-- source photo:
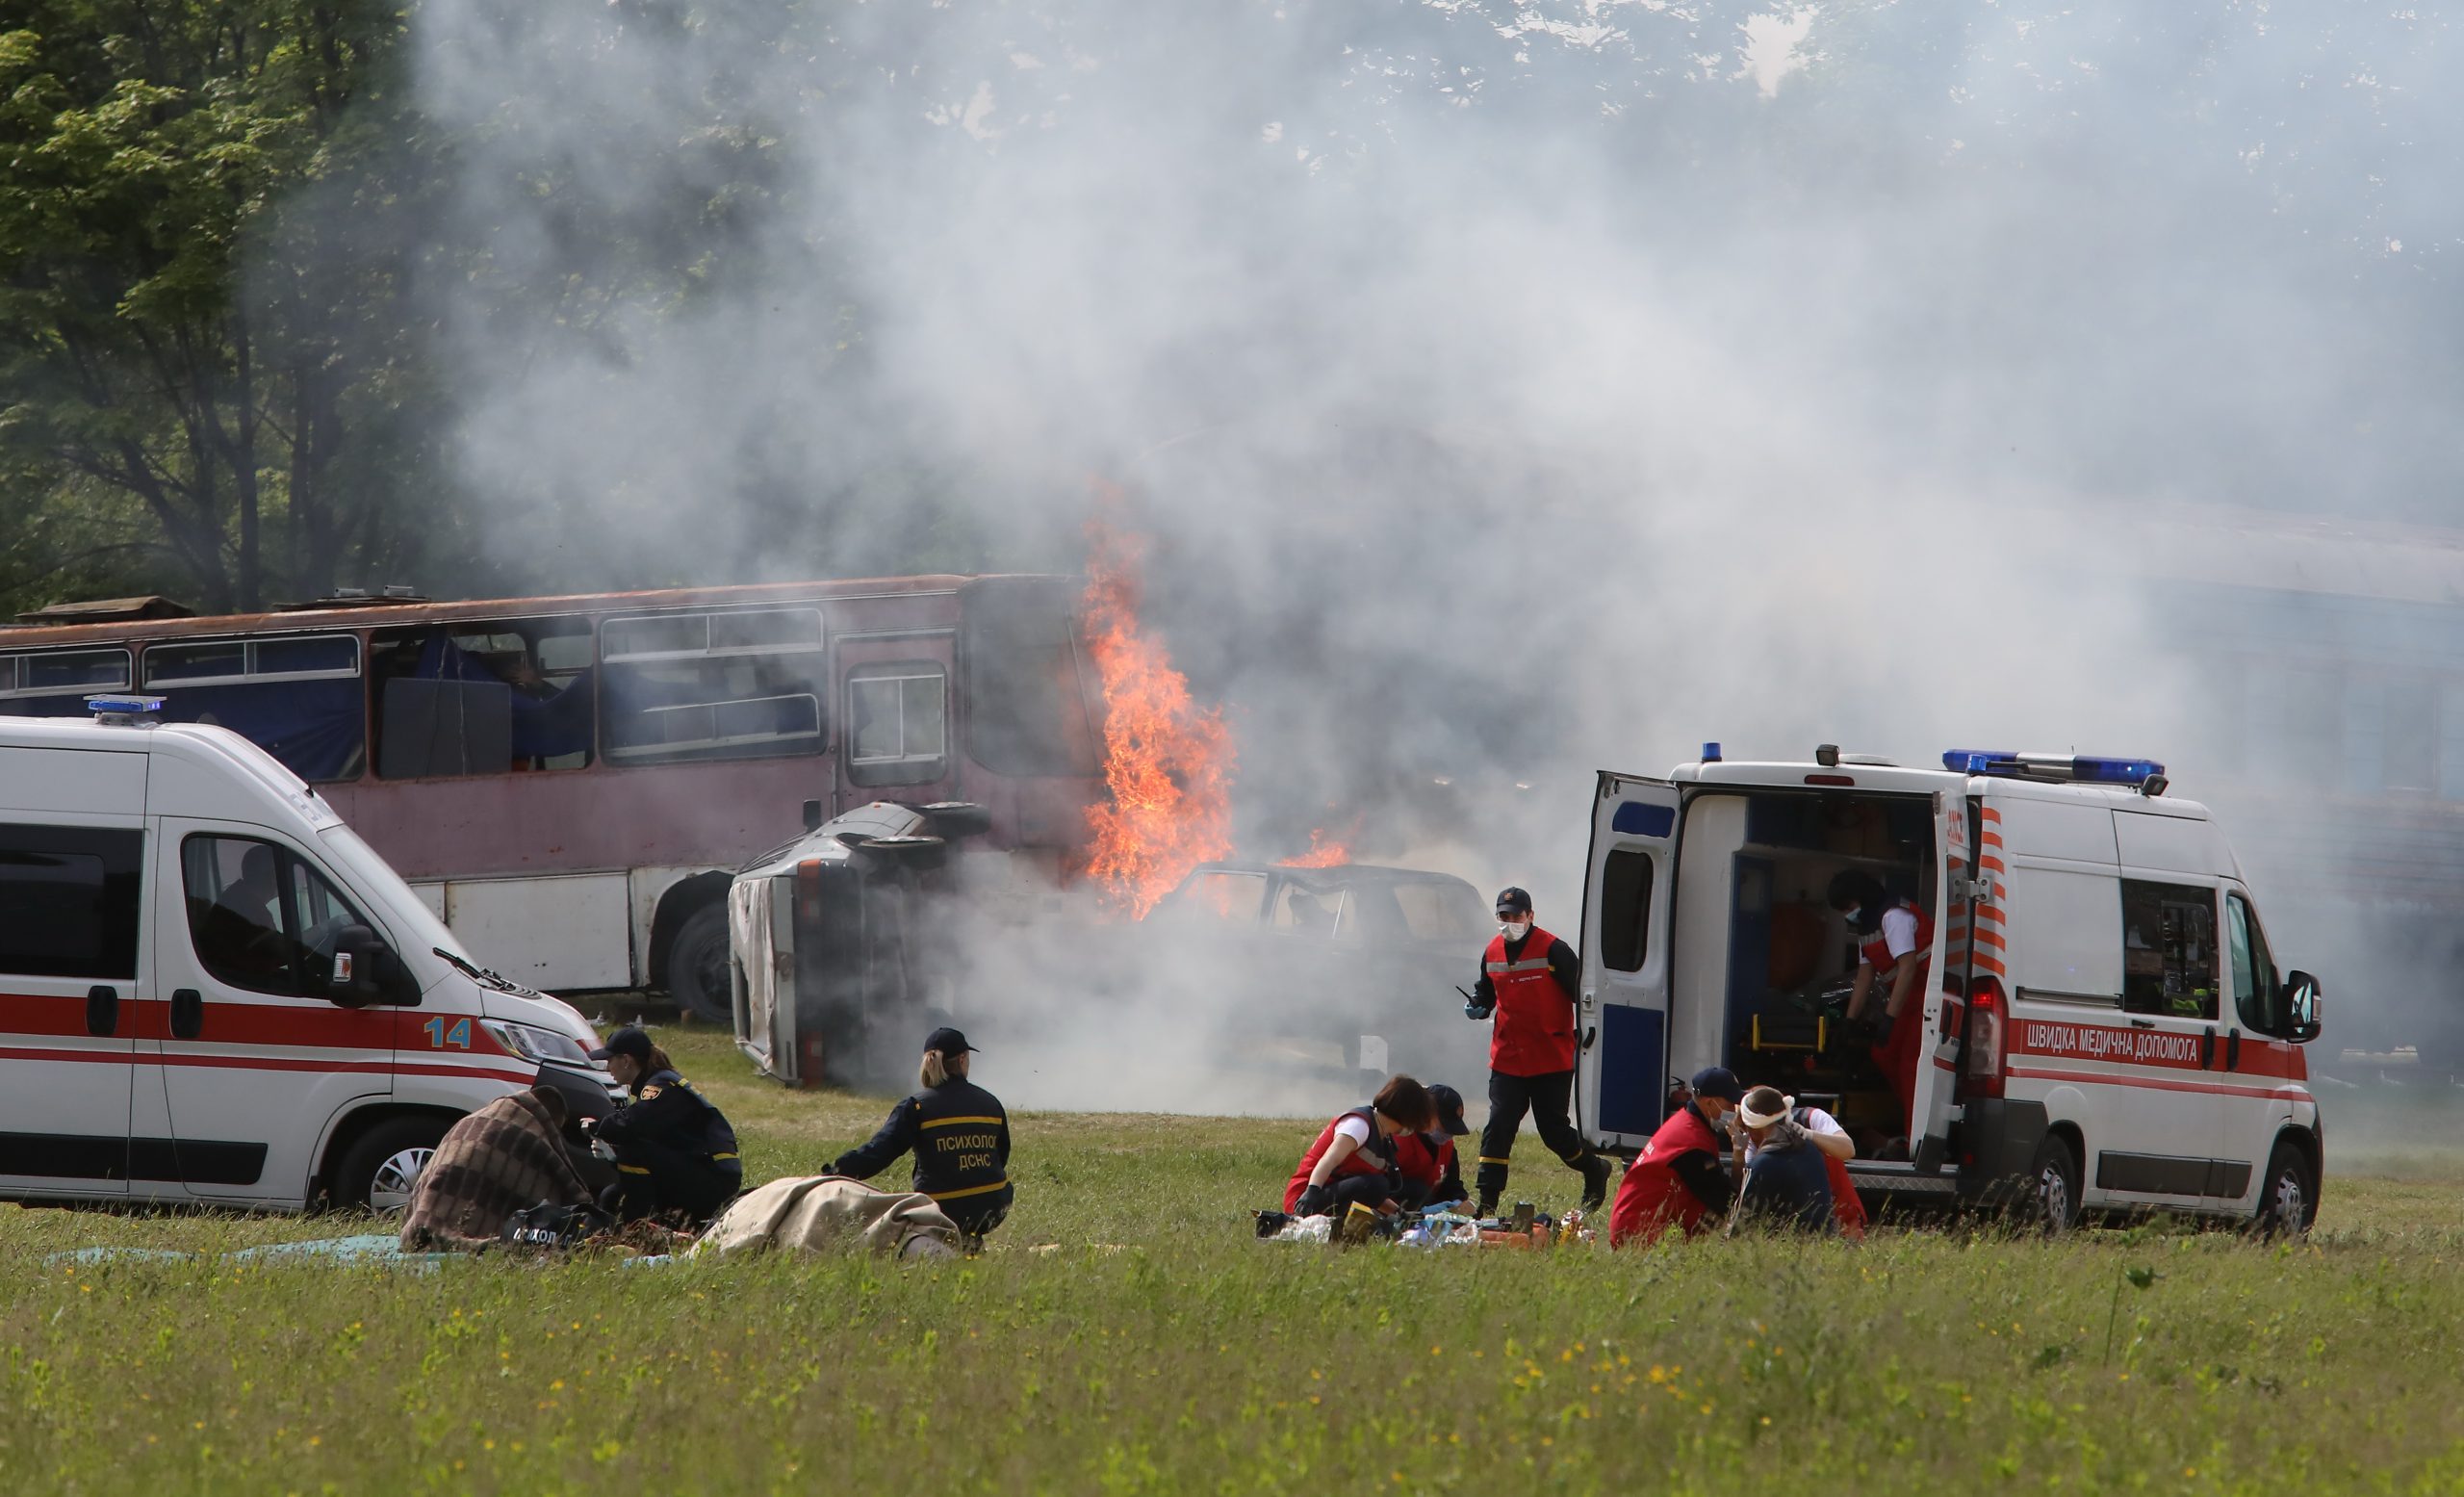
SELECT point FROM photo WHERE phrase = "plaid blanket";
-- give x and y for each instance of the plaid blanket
(496, 1161)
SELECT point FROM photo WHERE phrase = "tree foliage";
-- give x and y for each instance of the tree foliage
(203, 370)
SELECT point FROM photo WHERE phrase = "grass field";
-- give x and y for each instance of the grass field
(1124, 1334)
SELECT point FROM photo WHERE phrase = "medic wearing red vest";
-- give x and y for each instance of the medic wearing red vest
(1676, 1179)
(1528, 981)
(1353, 1156)
(1427, 1160)
(1896, 944)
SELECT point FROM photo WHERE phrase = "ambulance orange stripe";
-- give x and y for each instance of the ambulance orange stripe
(1992, 865)
(1987, 938)
(1990, 913)
(1986, 964)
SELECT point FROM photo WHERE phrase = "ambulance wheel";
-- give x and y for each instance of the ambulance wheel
(2053, 1187)
(379, 1170)
(697, 965)
(2289, 1195)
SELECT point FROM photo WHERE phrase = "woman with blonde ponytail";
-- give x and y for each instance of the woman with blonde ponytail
(959, 1134)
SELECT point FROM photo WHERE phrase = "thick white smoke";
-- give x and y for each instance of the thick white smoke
(1511, 391)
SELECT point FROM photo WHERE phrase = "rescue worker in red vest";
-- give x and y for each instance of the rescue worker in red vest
(1528, 981)
(1353, 1157)
(1895, 945)
(1431, 1172)
(1676, 1179)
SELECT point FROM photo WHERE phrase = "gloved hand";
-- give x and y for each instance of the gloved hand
(1314, 1200)
(1478, 1010)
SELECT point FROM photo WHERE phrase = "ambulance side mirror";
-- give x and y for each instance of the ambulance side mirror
(2302, 1003)
(365, 970)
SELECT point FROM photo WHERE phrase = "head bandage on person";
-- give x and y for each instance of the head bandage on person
(1763, 1120)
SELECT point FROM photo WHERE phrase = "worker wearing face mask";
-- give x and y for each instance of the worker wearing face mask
(1895, 944)
(1529, 982)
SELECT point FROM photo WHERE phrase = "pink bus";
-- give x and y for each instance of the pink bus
(569, 782)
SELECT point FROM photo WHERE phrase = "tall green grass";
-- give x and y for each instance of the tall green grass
(1125, 1334)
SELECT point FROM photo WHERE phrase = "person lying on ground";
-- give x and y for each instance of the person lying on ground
(675, 1153)
(827, 1213)
(959, 1134)
(1353, 1157)
(1678, 1179)
(1786, 1186)
(504, 1158)
(1428, 1161)
(1824, 1132)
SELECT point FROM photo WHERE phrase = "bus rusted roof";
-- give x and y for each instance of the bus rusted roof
(379, 613)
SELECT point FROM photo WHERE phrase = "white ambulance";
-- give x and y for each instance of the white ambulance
(213, 991)
(2103, 1029)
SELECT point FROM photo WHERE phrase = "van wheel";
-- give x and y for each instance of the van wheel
(697, 965)
(2053, 1187)
(2289, 1195)
(379, 1170)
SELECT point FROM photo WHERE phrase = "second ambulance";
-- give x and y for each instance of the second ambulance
(2103, 1029)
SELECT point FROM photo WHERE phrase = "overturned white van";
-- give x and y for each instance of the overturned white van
(2103, 1025)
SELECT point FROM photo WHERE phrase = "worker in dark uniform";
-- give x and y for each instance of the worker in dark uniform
(674, 1152)
(1528, 981)
(960, 1137)
(1428, 1161)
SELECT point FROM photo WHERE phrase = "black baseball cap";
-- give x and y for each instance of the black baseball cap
(1718, 1081)
(1513, 901)
(1450, 1109)
(947, 1041)
(628, 1041)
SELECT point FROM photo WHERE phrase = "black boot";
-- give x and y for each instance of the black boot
(1595, 1175)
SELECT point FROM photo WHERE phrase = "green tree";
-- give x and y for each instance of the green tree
(206, 260)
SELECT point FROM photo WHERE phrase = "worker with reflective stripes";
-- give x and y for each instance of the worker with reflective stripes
(1895, 945)
(959, 1134)
(1529, 982)
(674, 1152)
(1352, 1160)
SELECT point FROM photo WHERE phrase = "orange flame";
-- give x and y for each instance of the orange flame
(1325, 850)
(1167, 761)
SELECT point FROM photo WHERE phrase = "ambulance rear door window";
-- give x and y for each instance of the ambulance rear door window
(2169, 958)
(1624, 908)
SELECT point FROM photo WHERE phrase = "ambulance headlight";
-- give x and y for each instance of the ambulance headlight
(534, 1044)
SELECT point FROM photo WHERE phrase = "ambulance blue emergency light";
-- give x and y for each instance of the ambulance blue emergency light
(2078, 768)
(122, 709)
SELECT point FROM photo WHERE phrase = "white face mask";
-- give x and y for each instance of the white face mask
(1516, 930)
(1851, 916)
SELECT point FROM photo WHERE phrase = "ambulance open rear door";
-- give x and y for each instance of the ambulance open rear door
(1622, 1076)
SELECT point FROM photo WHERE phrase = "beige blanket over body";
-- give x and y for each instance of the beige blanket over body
(824, 1213)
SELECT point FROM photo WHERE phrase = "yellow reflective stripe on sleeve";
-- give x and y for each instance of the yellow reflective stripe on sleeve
(972, 1190)
(951, 1123)
(634, 1169)
(725, 1156)
(1486, 1159)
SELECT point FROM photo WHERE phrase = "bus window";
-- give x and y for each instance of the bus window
(1026, 712)
(483, 698)
(897, 721)
(55, 683)
(745, 684)
(298, 698)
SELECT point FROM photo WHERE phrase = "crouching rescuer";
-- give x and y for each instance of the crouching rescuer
(674, 1152)
(1528, 983)
(958, 1133)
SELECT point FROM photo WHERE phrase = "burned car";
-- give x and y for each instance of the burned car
(827, 980)
(1362, 957)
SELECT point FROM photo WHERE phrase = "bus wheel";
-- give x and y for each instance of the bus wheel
(697, 965)
(2288, 1197)
(2053, 1187)
(379, 1168)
